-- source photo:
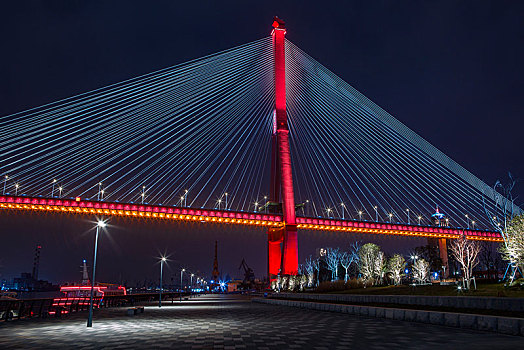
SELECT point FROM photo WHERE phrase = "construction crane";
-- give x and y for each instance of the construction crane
(249, 275)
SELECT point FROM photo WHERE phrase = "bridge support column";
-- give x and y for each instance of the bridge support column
(274, 250)
(441, 245)
(443, 252)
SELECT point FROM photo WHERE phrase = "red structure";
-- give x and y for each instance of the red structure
(282, 242)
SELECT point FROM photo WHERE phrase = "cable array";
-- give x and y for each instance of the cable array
(358, 161)
(198, 134)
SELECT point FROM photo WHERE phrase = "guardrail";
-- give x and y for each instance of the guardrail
(57, 307)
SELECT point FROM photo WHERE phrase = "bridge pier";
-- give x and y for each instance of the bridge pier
(441, 245)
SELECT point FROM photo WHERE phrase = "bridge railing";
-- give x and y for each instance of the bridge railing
(14, 309)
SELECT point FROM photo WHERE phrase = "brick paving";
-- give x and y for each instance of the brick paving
(233, 322)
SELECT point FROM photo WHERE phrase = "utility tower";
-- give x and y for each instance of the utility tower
(282, 242)
(215, 274)
(36, 262)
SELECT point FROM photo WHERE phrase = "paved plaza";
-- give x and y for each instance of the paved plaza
(234, 322)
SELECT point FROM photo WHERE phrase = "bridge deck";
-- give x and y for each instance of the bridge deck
(77, 206)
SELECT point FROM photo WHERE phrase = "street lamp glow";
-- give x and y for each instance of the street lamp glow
(100, 224)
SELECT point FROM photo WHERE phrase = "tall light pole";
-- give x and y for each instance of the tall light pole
(185, 198)
(102, 195)
(53, 189)
(5, 183)
(473, 223)
(181, 288)
(100, 224)
(226, 199)
(162, 261)
(219, 202)
(256, 206)
(390, 217)
(419, 218)
(143, 193)
(16, 189)
(191, 287)
(467, 220)
(265, 204)
(60, 191)
(343, 206)
(99, 189)
(376, 213)
(407, 211)
(328, 210)
(360, 215)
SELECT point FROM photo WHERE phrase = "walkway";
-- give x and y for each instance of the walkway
(233, 322)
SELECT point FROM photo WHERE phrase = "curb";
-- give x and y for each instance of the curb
(504, 325)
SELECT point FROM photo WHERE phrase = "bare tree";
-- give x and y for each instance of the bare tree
(310, 270)
(316, 266)
(421, 270)
(348, 258)
(513, 250)
(501, 214)
(371, 263)
(395, 267)
(466, 252)
(332, 261)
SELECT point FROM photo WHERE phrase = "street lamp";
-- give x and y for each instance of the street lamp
(265, 205)
(191, 287)
(60, 192)
(99, 189)
(256, 206)
(185, 198)
(376, 213)
(419, 218)
(181, 288)
(407, 211)
(226, 200)
(343, 206)
(143, 193)
(100, 224)
(101, 194)
(162, 261)
(5, 183)
(53, 190)
(328, 210)
(390, 217)
(473, 224)
(467, 220)
(360, 215)
(16, 189)
(219, 202)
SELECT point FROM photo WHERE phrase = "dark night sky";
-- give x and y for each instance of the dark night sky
(451, 71)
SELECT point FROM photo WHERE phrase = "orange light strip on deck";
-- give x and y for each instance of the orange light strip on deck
(233, 217)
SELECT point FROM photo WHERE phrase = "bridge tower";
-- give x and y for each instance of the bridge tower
(282, 242)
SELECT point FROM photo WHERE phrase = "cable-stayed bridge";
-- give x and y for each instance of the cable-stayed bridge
(260, 134)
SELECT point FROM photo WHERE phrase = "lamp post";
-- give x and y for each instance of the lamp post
(16, 189)
(265, 204)
(407, 211)
(143, 195)
(419, 218)
(226, 200)
(162, 261)
(390, 217)
(360, 215)
(473, 224)
(467, 220)
(219, 202)
(100, 224)
(53, 189)
(181, 288)
(185, 198)
(376, 213)
(191, 286)
(60, 191)
(99, 189)
(328, 210)
(5, 183)
(343, 206)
